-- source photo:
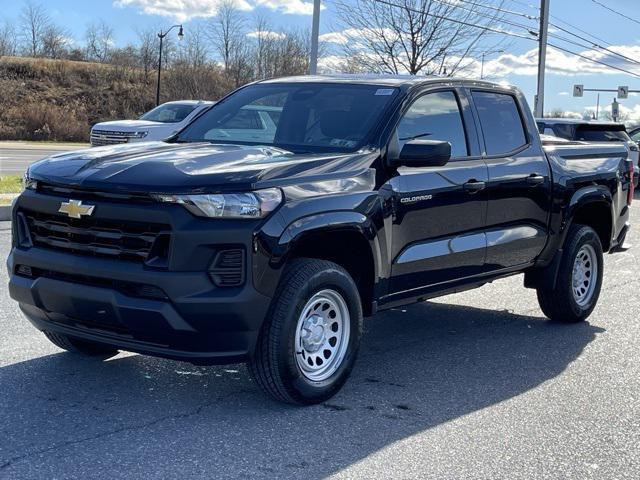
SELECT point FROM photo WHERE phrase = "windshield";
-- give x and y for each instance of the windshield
(169, 113)
(593, 133)
(297, 117)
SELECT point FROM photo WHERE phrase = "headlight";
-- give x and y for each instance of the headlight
(140, 134)
(28, 183)
(256, 204)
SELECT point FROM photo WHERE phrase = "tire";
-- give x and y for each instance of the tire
(567, 304)
(317, 301)
(81, 347)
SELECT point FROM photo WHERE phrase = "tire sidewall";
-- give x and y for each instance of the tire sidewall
(304, 389)
(584, 235)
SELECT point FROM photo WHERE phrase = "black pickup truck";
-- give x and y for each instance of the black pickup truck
(267, 229)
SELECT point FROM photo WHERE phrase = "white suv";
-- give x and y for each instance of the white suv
(157, 124)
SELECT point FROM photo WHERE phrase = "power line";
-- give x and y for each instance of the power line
(502, 32)
(590, 43)
(616, 11)
(454, 20)
(592, 60)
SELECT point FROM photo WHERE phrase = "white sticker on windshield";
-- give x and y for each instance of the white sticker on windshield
(384, 91)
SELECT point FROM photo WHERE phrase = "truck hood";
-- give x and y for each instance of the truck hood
(130, 125)
(195, 167)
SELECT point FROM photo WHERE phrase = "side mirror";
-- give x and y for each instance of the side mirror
(424, 153)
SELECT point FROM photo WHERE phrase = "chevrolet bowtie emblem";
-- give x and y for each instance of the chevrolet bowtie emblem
(75, 209)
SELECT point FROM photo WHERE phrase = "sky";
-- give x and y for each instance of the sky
(516, 66)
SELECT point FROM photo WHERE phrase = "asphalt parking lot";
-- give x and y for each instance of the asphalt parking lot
(475, 385)
(15, 157)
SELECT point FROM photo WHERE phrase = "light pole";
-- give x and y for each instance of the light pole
(484, 54)
(161, 36)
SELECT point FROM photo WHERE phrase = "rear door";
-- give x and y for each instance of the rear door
(439, 212)
(519, 186)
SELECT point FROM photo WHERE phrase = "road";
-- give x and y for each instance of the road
(15, 157)
(472, 386)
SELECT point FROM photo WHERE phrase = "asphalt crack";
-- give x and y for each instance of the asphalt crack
(130, 428)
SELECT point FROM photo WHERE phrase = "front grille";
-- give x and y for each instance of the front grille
(131, 241)
(131, 289)
(108, 137)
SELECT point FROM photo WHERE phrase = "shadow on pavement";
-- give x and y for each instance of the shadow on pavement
(66, 416)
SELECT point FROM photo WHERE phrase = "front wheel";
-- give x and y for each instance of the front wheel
(579, 278)
(310, 338)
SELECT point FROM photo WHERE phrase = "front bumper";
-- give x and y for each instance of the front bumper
(196, 322)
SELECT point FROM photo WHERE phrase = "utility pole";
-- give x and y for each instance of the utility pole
(542, 56)
(315, 32)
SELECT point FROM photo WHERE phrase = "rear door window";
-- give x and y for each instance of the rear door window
(501, 122)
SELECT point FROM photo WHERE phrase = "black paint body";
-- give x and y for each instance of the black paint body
(417, 232)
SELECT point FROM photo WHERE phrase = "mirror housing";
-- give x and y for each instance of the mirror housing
(424, 153)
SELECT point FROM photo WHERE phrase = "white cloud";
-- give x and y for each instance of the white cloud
(266, 35)
(296, 7)
(562, 63)
(563, 94)
(183, 10)
(180, 10)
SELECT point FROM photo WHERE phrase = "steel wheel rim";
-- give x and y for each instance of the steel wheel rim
(585, 275)
(322, 335)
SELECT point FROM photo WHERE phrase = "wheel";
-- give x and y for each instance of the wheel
(579, 278)
(82, 347)
(309, 340)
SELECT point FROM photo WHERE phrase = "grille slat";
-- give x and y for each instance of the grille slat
(132, 241)
(108, 137)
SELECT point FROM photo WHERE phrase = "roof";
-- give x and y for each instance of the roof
(577, 121)
(375, 79)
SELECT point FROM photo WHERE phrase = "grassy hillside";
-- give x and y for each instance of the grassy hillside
(44, 99)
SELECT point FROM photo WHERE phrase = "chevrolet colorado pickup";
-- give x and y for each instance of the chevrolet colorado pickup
(217, 246)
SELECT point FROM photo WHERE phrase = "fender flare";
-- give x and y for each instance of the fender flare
(325, 222)
(587, 195)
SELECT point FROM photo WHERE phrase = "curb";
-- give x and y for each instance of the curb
(5, 212)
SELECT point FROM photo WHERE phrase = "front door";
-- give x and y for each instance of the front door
(439, 212)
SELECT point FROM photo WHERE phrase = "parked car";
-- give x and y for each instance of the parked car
(372, 192)
(157, 124)
(634, 133)
(589, 131)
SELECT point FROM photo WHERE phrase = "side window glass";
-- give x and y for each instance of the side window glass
(501, 123)
(435, 116)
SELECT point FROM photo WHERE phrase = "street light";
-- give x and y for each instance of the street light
(161, 36)
(482, 64)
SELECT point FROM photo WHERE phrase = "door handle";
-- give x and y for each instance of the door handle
(535, 179)
(474, 186)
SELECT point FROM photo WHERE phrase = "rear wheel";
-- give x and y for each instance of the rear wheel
(82, 347)
(309, 341)
(579, 278)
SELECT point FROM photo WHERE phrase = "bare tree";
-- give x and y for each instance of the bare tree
(55, 42)
(227, 33)
(147, 51)
(8, 42)
(34, 23)
(99, 38)
(416, 36)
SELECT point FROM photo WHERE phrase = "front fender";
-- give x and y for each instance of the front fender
(326, 222)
